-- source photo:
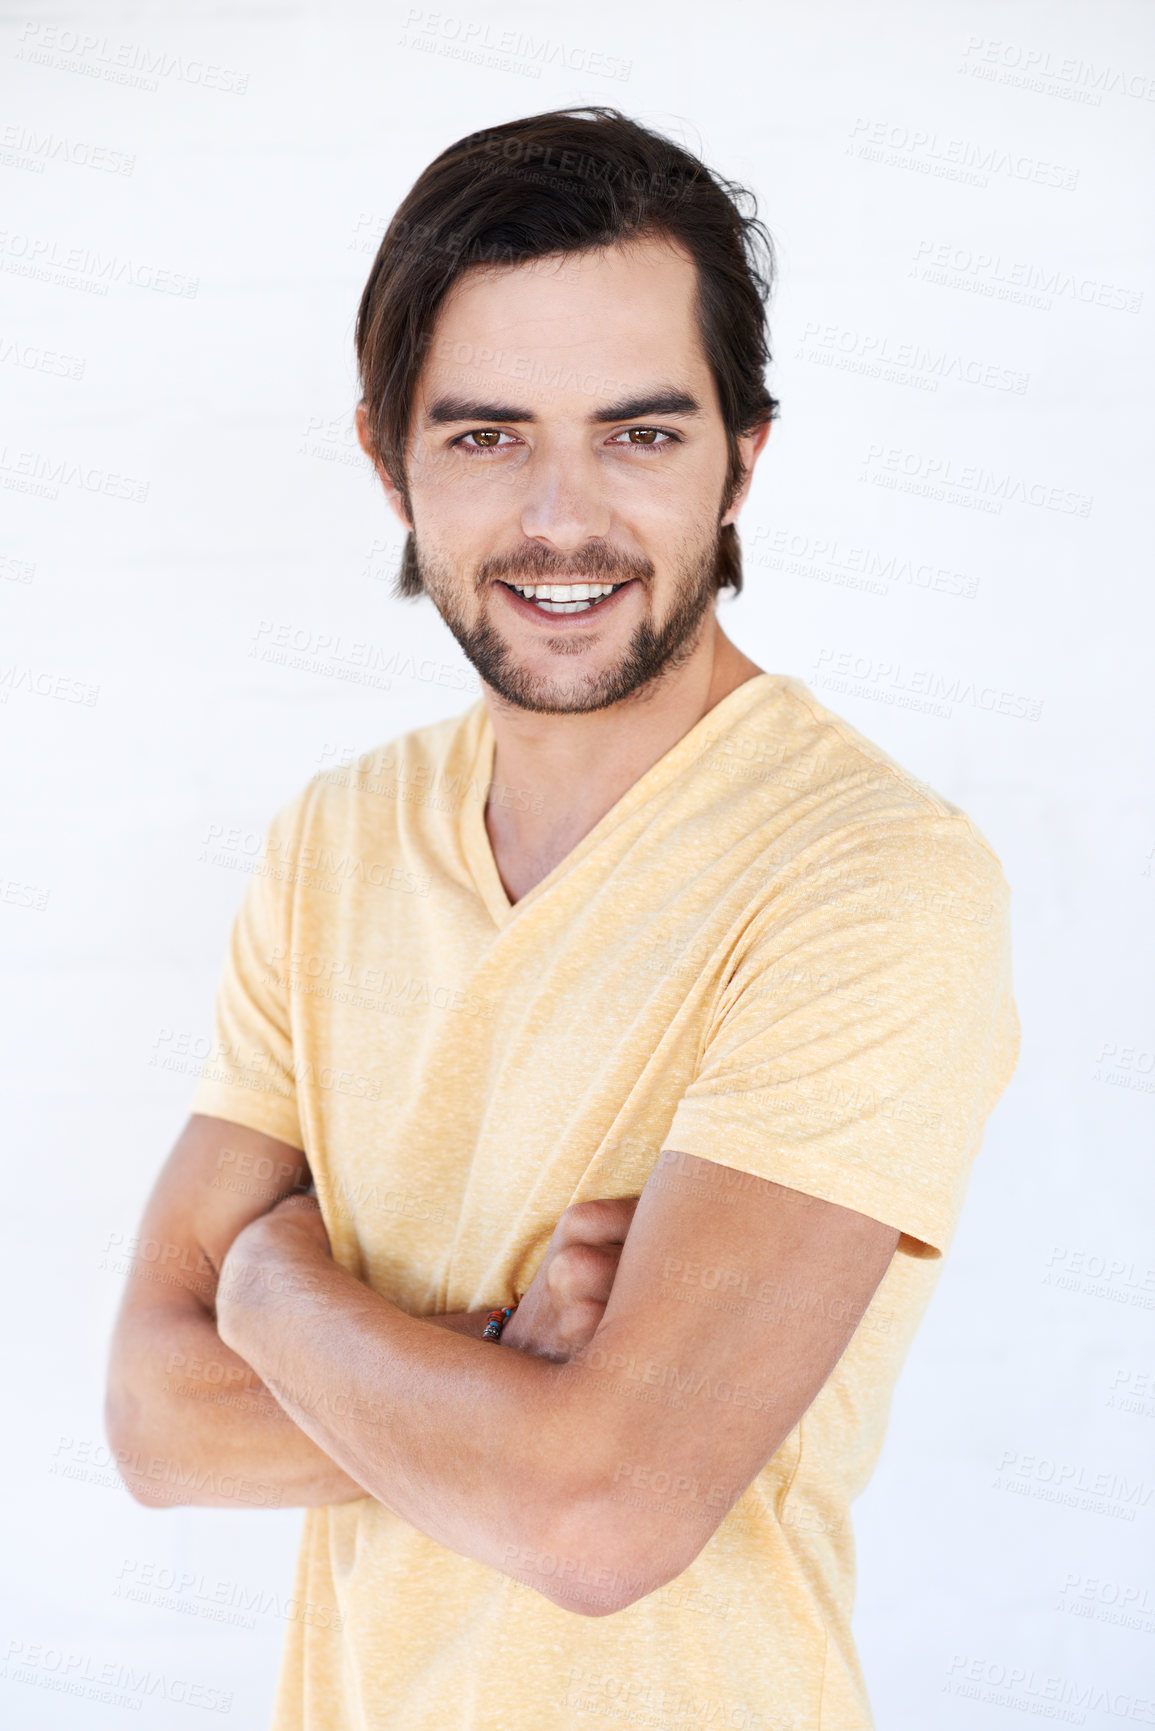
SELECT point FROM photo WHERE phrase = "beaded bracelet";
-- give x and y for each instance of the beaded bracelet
(497, 1321)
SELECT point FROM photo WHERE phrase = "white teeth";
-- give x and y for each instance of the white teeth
(564, 592)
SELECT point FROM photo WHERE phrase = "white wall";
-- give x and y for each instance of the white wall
(992, 504)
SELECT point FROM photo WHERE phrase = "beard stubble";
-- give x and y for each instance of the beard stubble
(651, 652)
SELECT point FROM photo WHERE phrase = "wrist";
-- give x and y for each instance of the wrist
(496, 1321)
(519, 1333)
(468, 1322)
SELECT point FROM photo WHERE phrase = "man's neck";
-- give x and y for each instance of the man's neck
(556, 776)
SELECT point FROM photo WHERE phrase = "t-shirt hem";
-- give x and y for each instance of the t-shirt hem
(929, 1234)
(253, 1111)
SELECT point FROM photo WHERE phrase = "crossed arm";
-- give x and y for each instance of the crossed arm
(732, 1300)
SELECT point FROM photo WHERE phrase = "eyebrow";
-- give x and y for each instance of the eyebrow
(667, 402)
(448, 410)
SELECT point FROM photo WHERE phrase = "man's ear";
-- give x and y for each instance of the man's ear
(393, 494)
(749, 450)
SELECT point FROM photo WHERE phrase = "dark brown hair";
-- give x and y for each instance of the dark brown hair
(565, 182)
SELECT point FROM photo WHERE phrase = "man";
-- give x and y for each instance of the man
(647, 991)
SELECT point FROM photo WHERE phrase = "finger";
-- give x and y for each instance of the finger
(601, 1220)
(583, 1271)
(579, 1323)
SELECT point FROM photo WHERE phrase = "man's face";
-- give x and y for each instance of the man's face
(566, 433)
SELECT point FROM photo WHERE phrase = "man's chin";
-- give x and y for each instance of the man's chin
(552, 693)
(635, 675)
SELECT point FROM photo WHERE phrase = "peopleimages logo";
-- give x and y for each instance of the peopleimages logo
(113, 1682)
(827, 559)
(33, 359)
(920, 688)
(83, 268)
(1098, 1274)
(128, 63)
(1039, 69)
(989, 490)
(878, 356)
(1041, 1693)
(475, 40)
(1022, 282)
(24, 147)
(1071, 1483)
(924, 151)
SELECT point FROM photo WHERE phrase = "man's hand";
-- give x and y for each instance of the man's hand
(294, 1232)
(302, 1211)
(299, 1214)
(567, 1297)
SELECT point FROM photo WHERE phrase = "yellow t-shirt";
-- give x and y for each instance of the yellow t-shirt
(778, 951)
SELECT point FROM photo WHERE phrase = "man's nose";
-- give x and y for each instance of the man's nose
(565, 505)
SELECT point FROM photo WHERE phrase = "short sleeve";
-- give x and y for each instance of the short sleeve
(867, 1029)
(250, 1077)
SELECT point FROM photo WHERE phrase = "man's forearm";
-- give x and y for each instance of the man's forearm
(471, 1443)
(192, 1423)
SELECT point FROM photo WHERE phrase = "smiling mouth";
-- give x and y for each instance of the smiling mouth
(565, 597)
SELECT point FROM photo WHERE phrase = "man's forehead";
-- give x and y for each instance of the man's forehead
(641, 257)
(600, 326)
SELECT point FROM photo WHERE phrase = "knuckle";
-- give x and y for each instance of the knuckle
(574, 1258)
(582, 1270)
(586, 1213)
(598, 1216)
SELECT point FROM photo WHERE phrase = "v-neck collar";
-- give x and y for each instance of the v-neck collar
(475, 840)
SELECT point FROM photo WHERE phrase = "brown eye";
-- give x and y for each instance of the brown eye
(643, 435)
(486, 437)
